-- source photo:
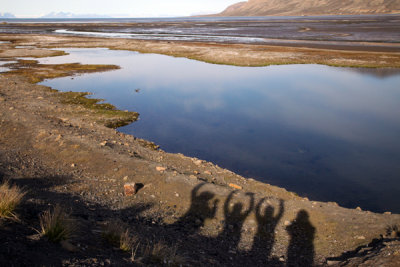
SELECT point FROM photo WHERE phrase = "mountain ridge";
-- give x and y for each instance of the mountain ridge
(311, 7)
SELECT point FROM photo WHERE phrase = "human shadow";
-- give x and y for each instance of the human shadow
(200, 209)
(199, 249)
(301, 247)
(264, 238)
(234, 219)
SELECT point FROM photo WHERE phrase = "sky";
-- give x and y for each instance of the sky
(117, 8)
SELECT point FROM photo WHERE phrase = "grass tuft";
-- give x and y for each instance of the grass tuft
(116, 234)
(10, 198)
(161, 254)
(56, 225)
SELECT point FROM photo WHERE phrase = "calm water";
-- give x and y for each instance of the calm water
(327, 133)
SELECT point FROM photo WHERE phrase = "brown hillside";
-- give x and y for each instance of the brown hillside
(311, 7)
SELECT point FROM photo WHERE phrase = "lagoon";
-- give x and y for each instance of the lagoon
(326, 133)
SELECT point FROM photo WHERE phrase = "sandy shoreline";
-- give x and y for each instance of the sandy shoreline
(62, 152)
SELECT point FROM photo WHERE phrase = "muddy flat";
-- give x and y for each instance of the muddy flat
(366, 33)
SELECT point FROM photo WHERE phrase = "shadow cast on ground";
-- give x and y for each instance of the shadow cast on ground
(17, 247)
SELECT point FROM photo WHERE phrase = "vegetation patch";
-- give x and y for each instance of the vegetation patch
(108, 114)
(36, 72)
(57, 225)
(119, 236)
(161, 254)
(10, 198)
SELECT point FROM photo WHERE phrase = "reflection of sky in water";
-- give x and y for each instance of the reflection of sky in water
(5, 69)
(328, 133)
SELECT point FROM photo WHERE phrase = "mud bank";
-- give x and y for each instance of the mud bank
(230, 54)
(62, 152)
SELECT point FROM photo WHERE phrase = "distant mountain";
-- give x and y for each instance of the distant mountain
(6, 15)
(68, 15)
(311, 7)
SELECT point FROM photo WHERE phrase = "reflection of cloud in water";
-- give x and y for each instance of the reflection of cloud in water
(307, 127)
(376, 72)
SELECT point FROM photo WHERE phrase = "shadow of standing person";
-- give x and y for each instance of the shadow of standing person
(266, 223)
(200, 210)
(301, 247)
(234, 219)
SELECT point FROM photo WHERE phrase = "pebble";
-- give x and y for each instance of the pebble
(198, 162)
(130, 189)
(207, 172)
(68, 246)
(2, 99)
(58, 138)
(73, 165)
(358, 208)
(104, 143)
(235, 186)
(287, 223)
(193, 176)
(160, 169)
(330, 263)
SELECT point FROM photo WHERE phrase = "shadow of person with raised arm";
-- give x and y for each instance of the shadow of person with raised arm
(200, 210)
(301, 247)
(266, 223)
(234, 219)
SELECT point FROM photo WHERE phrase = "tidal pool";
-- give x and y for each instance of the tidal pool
(330, 134)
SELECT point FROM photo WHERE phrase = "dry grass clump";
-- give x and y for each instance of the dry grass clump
(56, 225)
(10, 198)
(119, 236)
(161, 254)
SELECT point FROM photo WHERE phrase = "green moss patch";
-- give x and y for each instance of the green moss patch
(107, 114)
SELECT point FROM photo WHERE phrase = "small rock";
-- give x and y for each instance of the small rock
(198, 162)
(104, 143)
(193, 176)
(360, 237)
(2, 99)
(207, 172)
(196, 172)
(330, 263)
(130, 189)
(287, 223)
(73, 165)
(160, 169)
(176, 194)
(125, 178)
(11, 108)
(387, 213)
(281, 259)
(58, 138)
(236, 186)
(358, 208)
(39, 97)
(68, 246)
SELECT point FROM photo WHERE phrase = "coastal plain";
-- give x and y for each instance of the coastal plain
(60, 149)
